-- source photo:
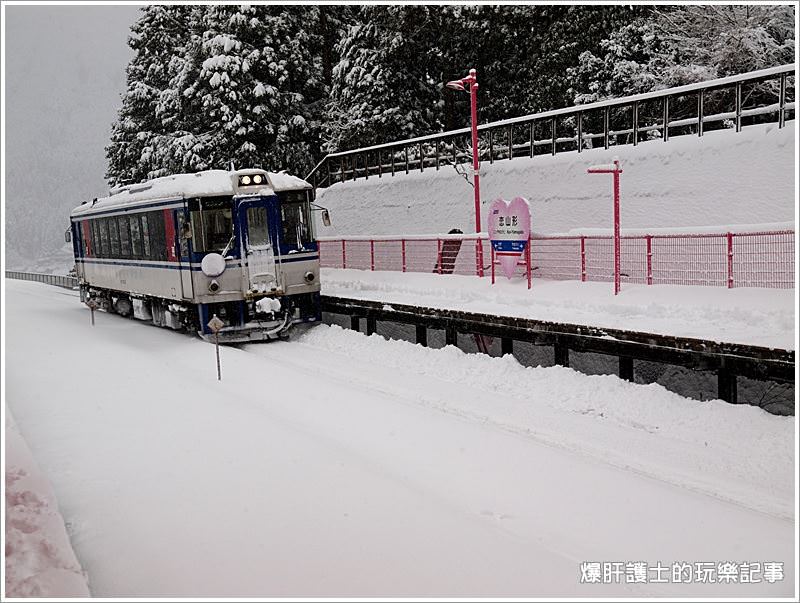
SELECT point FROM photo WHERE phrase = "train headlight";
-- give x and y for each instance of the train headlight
(213, 264)
(257, 179)
(310, 276)
(213, 286)
(245, 180)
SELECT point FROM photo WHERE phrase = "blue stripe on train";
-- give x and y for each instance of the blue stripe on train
(176, 266)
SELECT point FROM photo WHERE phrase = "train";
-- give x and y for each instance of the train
(179, 250)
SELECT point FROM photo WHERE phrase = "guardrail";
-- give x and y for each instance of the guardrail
(742, 259)
(763, 96)
(67, 282)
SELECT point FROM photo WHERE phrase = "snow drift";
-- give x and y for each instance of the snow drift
(723, 178)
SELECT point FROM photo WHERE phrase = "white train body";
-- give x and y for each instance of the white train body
(181, 249)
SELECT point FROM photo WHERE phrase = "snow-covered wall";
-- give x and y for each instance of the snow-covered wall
(723, 178)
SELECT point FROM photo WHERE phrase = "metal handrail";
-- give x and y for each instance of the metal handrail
(429, 151)
(58, 280)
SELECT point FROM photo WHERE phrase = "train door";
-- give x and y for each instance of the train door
(258, 254)
(184, 241)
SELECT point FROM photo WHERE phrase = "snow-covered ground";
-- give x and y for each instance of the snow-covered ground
(723, 178)
(338, 464)
(39, 559)
(752, 316)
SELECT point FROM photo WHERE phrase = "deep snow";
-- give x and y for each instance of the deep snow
(337, 464)
(763, 317)
(723, 178)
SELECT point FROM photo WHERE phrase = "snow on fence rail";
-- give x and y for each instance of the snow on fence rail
(749, 259)
(67, 282)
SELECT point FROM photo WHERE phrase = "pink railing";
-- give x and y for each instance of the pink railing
(748, 259)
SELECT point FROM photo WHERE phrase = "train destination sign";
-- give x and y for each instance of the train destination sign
(509, 231)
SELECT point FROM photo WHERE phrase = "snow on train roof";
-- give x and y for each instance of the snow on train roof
(178, 186)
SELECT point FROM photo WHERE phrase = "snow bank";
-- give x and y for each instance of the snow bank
(722, 178)
(753, 316)
(738, 453)
(39, 558)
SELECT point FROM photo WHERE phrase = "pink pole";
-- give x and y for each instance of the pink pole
(473, 93)
(344, 255)
(403, 252)
(649, 239)
(616, 171)
(528, 261)
(616, 229)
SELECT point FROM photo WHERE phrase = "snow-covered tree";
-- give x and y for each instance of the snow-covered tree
(155, 38)
(387, 84)
(236, 83)
(685, 44)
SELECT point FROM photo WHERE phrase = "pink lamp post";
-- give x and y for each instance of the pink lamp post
(613, 168)
(469, 84)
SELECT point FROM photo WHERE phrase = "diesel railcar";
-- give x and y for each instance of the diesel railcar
(180, 249)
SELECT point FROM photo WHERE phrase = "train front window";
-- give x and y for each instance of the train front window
(257, 233)
(212, 224)
(296, 219)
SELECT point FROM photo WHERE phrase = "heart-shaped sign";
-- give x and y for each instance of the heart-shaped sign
(509, 231)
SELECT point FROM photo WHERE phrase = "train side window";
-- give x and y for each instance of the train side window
(113, 235)
(96, 250)
(145, 237)
(296, 219)
(136, 237)
(124, 236)
(104, 238)
(184, 234)
(158, 235)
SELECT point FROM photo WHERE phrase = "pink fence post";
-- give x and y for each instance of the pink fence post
(729, 236)
(479, 258)
(403, 253)
(649, 240)
(372, 255)
(528, 261)
(439, 254)
(492, 256)
(583, 259)
(344, 255)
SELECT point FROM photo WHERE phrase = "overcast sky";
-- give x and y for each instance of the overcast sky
(65, 70)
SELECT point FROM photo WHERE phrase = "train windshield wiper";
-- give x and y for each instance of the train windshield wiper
(228, 246)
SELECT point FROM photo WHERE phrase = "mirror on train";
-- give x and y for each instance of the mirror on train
(67, 236)
(326, 216)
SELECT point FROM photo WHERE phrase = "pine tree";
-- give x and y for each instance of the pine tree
(682, 45)
(235, 83)
(387, 84)
(155, 38)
